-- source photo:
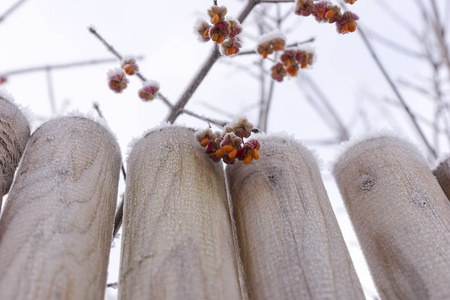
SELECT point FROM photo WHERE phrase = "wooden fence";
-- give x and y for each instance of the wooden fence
(194, 231)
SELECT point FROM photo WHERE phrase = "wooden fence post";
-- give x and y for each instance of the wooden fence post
(56, 229)
(14, 134)
(401, 217)
(291, 245)
(177, 240)
(442, 173)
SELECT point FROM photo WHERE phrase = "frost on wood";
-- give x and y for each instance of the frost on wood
(14, 134)
(401, 217)
(442, 173)
(177, 240)
(56, 228)
(291, 245)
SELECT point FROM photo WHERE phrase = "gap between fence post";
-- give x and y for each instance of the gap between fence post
(14, 134)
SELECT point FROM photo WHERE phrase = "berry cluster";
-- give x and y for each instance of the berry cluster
(268, 43)
(291, 62)
(118, 81)
(220, 30)
(229, 145)
(325, 11)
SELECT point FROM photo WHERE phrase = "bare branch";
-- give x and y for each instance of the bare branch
(247, 52)
(394, 88)
(342, 130)
(11, 9)
(60, 66)
(206, 119)
(393, 45)
(51, 94)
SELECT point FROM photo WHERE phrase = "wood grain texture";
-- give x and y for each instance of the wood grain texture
(14, 134)
(401, 217)
(442, 174)
(291, 245)
(56, 229)
(177, 240)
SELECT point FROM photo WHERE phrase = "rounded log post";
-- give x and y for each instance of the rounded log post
(56, 229)
(177, 239)
(14, 134)
(442, 173)
(291, 245)
(400, 215)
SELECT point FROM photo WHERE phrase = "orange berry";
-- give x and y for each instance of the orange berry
(292, 71)
(248, 159)
(215, 19)
(264, 54)
(329, 14)
(232, 154)
(255, 154)
(204, 142)
(231, 51)
(304, 65)
(206, 33)
(228, 148)
(278, 47)
(220, 40)
(320, 11)
(214, 37)
(220, 153)
(351, 1)
(344, 28)
(287, 62)
(352, 26)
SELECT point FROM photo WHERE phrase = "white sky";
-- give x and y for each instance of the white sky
(47, 32)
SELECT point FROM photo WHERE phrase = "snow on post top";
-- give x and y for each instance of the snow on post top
(371, 135)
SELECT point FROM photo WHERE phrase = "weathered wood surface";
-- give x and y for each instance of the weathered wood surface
(177, 241)
(442, 173)
(14, 134)
(291, 245)
(56, 229)
(401, 217)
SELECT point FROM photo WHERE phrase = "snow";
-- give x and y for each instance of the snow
(270, 36)
(371, 135)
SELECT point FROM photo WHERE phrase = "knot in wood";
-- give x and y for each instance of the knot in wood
(366, 182)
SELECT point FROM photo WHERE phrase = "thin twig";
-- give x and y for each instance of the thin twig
(217, 109)
(394, 88)
(440, 36)
(113, 285)
(11, 9)
(247, 52)
(394, 45)
(206, 119)
(143, 79)
(51, 94)
(119, 212)
(59, 66)
(342, 130)
(118, 217)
